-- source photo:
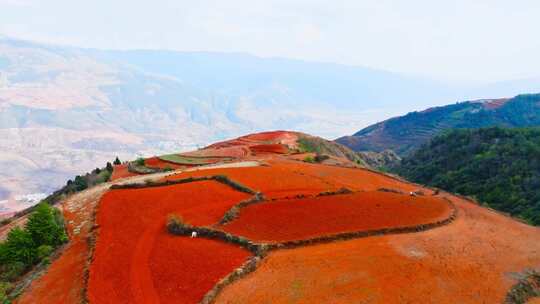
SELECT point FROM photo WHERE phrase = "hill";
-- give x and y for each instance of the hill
(262, 218)
(64, 109)
(499, 167)
(406, 133)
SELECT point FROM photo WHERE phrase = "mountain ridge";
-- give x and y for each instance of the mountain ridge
(406, 133)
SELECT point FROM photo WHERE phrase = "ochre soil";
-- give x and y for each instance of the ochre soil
(472, 260)
(297, 219)
(134, 250)
(286, 178)
(121, 171)
(273, 181)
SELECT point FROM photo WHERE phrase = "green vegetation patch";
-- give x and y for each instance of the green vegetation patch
(500, 167)
(528, 287)
(189, 160)
(26, 247)
(324, 148)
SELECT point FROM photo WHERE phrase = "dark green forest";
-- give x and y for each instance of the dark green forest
(500, 167)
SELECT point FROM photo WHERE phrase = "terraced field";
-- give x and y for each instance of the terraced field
(307, 218)
(270, 228)
(192, 160)
(132, 223)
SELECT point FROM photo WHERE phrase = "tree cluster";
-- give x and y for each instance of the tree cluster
(500, 167)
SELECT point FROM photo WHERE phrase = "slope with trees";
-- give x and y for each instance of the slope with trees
(406, 133)
(498, 166)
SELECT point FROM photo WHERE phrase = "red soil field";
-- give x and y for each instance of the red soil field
(287, 178)
(471, 260)
(273, 181)
(288, 220)
(358, 179)
(67, 272)
(121, 171)
(155, 162)
(132, 230)
(185, 269)
(269, 148)
(274, 137)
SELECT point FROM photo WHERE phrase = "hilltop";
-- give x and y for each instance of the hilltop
(406, 133)
(280, 216)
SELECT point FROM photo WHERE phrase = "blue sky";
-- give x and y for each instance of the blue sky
(466, 41)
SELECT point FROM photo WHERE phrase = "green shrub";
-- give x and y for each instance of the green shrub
(309, 159)
(4, 289)
(20, 247)
(109, 167)
(527, 288)
(44, 226)
(44, 231)
(321, 157)
(44, 251)
(12, 270)
(139, 161)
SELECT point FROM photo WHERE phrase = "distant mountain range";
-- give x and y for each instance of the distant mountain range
(406, 133)
(64, 109)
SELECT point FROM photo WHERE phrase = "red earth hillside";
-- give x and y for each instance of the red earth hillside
(265, 219)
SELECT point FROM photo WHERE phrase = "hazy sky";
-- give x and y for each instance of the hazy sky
(458, 40)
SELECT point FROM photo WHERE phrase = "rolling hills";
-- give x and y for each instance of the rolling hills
(274, 222)
(64, 109)
(406, 133)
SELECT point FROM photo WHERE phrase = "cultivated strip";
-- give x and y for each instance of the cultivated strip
(260, 250)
